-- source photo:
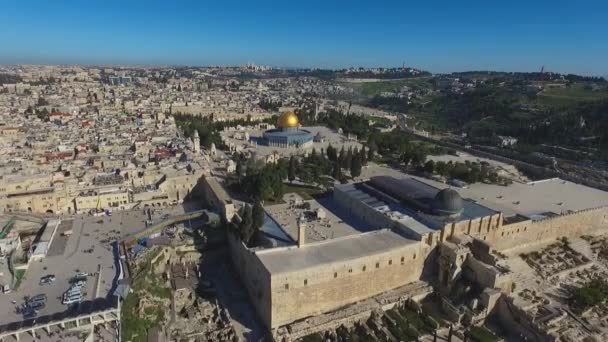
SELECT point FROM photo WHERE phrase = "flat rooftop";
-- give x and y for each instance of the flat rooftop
(534, 198)
(293, 259)
(413, 189)
(394, 211)
(218, 189)
(334, 225)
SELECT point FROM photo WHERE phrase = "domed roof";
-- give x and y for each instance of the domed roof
(447, 202)
(288, 120)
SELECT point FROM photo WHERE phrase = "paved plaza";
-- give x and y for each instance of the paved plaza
(88, 248)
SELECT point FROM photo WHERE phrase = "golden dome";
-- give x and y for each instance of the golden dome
(288, 120)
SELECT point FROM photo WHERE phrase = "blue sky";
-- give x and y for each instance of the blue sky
(440, 36)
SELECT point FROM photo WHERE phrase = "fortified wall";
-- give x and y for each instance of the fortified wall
(479, 227)
(281, 298)
(253, 276)
(528, 232)
(326, 287)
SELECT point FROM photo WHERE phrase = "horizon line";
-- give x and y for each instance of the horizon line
(169, 65)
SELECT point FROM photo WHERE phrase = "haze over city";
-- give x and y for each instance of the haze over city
(439, 36)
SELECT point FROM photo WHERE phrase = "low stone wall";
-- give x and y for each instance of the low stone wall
(517, 321)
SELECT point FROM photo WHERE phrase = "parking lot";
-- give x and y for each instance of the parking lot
(81, 244)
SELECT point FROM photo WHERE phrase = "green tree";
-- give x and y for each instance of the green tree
(429, 167)
(363, 156)
(332, 154)
(355, 169)
(441, 168)
(349, 159)
(239, 169)
(370, 154)
(342, 157)
(292, 169)
(418, 157)
(42, 101)
(246, 225)
(406, 158)
(258, 215)
(337, 173)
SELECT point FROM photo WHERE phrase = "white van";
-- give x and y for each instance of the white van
(67, 300)
(73, 291)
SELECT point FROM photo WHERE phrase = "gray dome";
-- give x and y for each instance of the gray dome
(447, 202)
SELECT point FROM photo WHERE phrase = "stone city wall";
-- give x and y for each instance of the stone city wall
(254, 277)
(328, 287)
(479, 227)
(526, 233)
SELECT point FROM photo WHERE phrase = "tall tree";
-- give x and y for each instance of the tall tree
(363, 156)
(258, 215)
(291, 175)
(429, 166)
(337, 173)
(239, 169)
(246, 225)
(332, 154)
(355, 168)
(370, 153)
(342, 157)
(349, 159)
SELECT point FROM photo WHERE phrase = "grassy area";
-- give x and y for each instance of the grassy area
(372, 89)
(135, 326)
(573, 94)
(7, 228)
(481, 334)
(307, 193)
(19, 276)
(427, 119)
(381, 120)
(594, 292)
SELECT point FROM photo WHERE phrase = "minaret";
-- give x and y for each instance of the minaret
(301, 232)
(197, 142)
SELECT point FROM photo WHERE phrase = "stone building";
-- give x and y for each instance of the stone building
(294, 282)
(215, 195)
(288, 133)
(414, 222)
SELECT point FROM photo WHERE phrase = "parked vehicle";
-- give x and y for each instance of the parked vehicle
(73, 290)
(67, 300)
(29, 314)
(37, 298)
(39, 305)
(48, 279)
(79, 284)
